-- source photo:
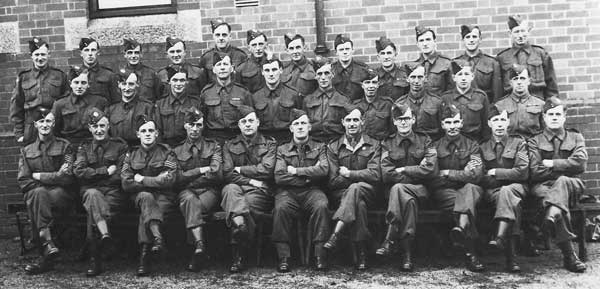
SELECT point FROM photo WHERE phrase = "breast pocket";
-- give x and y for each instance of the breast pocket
(30, 89)
(536, 71)
(285, 110)
(71, 119)
(167, 118)
(213, 108)
(483, 77)
(473, 114)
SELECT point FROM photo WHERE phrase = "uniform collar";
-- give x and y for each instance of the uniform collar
(74, 99)
(431, 58)
(467, 94)
(187, 145)
(181, 98)
(96, 144)
(517, 48)
(520, 99)
(301, 64)
(418, 97)
(503, 140)
(359, 144)
(328, 92)
(411, 137)
(477, 55)
(227, 87)
(549, 134)
(309, 144)
(93, 68)
(135, 67)
(49, 140)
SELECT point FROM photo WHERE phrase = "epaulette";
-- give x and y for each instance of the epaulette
(505, 50)
(208, 51)
(270, 139)
(517, 136)
(54, 68)
(208, 86)
(572, 130)
(107, 68)
(290, 87)
(238, 49)
(240, 85)
(385, 97)
(488, 56)
(475, 89)
(25, 71)
(332, 143)
(537, 46)
(62, 140)
(444, 57)
(359, 63)
(118, 139)
(164, 145)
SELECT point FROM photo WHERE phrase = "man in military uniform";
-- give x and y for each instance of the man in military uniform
(347, 71)
(392, 78)
(39, 86)
(557, 158)
(221, 32)
(274, 102)
(148, 175)
(45, 171)
(121, 115)
(326, 106)
(424, 104)
(354, 177)
(486, 68)
(506, 169)
(300, 169)
(376, 108)
(455, 188)
(535, 58)
(220, 99)
(98, 167)
(198, 177)
(472, 102)
(408, 162)
(197, 77)
(299, 72)
(249, 73)
(170, 111)
(149, 83)
(438, 74)
(102, 80)
(249, 161)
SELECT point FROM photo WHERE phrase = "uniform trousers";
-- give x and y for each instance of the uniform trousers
(403, 207)
(507, 203)
(44, 203)
(353, 204)
(245, 201)
(102, 204)
(462, 200)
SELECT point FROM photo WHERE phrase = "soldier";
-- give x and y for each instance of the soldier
(455, 188)
(524, 110)
(408, 162)
(392, 78)
(70, 111)
(220, 99)
(221, 32)
(347, 71)
(472, 102)
(535, 58)
(299, 72)
(39, 86)
(248, 73)
(557, 158)
(438, 74)
(121, 115)
(170, 111)
(300, 169)
(102, 80)
(485, 68)
(326, 106)
(149, 83)
(98, 166)
(197, 77)
(148, 175)
(45, 172)
(249, 161)
(376, 108)
(354, 177)
(274, 102)
(198, 177)
(424, 104)
(506, 169)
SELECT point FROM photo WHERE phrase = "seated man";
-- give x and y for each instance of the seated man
(353, 179)
(148, 174)
(248, 164)
(557, 158)
(98, 167)
(408, 162)
(44, 174)
(506, 168)
(300, 169)
(198, 176)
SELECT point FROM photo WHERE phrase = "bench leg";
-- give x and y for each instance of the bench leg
(581, 232)
(21, 237)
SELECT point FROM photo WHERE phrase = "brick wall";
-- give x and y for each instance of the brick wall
(568, 29)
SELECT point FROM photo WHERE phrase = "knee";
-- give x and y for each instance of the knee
(92, 194)
(186, 196)
(321, 206)
(562, 179)
(282, 208)
(231, 189)
(144, 197)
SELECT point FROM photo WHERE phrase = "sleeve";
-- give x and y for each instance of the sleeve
(231, 176)
(214, 175)
(520, 169)
(319, 170)
(59, 178)
(17, 109)
(472, 171)
(550, 77)
(428, 164)
(264, 169)
(388, 169)
(575, 164)
(24, 176)
(127, 182)
(537, 171)
(335, 180)
(282, 177)
(82, 170)
(166, 178)
(497, 88)
(372, 174)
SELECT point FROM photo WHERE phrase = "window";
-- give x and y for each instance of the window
(116, 8)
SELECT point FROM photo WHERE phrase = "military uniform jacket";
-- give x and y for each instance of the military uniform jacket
(46, 158)
(93, 160)
(325, 110)
(511, 161)
(570, 159)
(170, 114)
(274, 107)
(309, 159)
(35, 87)
(363, 161)
(189, 163)
(488, 76)
(249, 73)
(348, 81)
(540, 66)
(474, 106)
(462, 156)
(377, 116)
(438, 74)
(256, 159)
(237, 56)
(150, 84)
(300, 75)
(219, 104)
(525, 113)
(415, 152)
(122, 115)
(158, 165)
(392, 83)
(196, 76)
(103, 82)
(425, 106)
(70, 114)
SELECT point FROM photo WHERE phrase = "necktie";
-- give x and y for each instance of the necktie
(405, 144)
(100, 154)
(522, 57)
(557, 142)
(301, 154)
(426, 65)
(499, 148)
(194, 153)
(452, 150)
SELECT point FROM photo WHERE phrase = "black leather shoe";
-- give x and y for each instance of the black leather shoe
(361, 253)
(321, 263)
(407, 263)
(143, 267)
(283, 266)
(332, 242)
(157, 245)
(50, 250)
(43, 265)
(199, 250)
(94, 267)
(572, 263)
(194, 265)
(386, 249)
(237, 264)
(473, 263)
(497, 244)
(457, 236)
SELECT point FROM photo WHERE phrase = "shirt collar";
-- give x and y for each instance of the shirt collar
(410, 137)
(467, 94)
(520, 99)
(517, 48)
(301, 64)
(418, 97)
(477, 55)
(94, 67)
(328, 92)
(549, 134)
(227, 87)
(309, 144)
(49, 140)
(431, 58)
(359, 144)
(96, 144)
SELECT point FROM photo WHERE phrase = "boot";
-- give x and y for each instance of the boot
(388, 244)
(360, 250)
(239, 232)
(457, 234)
(95, 264)
(499, 243)
(49, 249)
(553, 215)
(144, 266)
(197, 233)
(510, 253)
(407, 264)
(157, 244)
(332, 242)
(45, 264)
(237, 264)
(283, 266)
(473, 263)
(570, 260)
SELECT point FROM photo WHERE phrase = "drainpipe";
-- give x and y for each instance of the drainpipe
(321, 49)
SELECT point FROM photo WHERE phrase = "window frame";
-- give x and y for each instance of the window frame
(95, 12)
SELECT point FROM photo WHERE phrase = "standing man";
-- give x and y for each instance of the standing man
(221, 32)
(102, 80)
(299, 72)
(40, 86)
(438, 73)
(535, 58)
(249, 73)
(197, 77)
(376, 108)
(347, 71)
(392, 78)
(486, 68)
(45, 172)
(557, 158)
(150, 85)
